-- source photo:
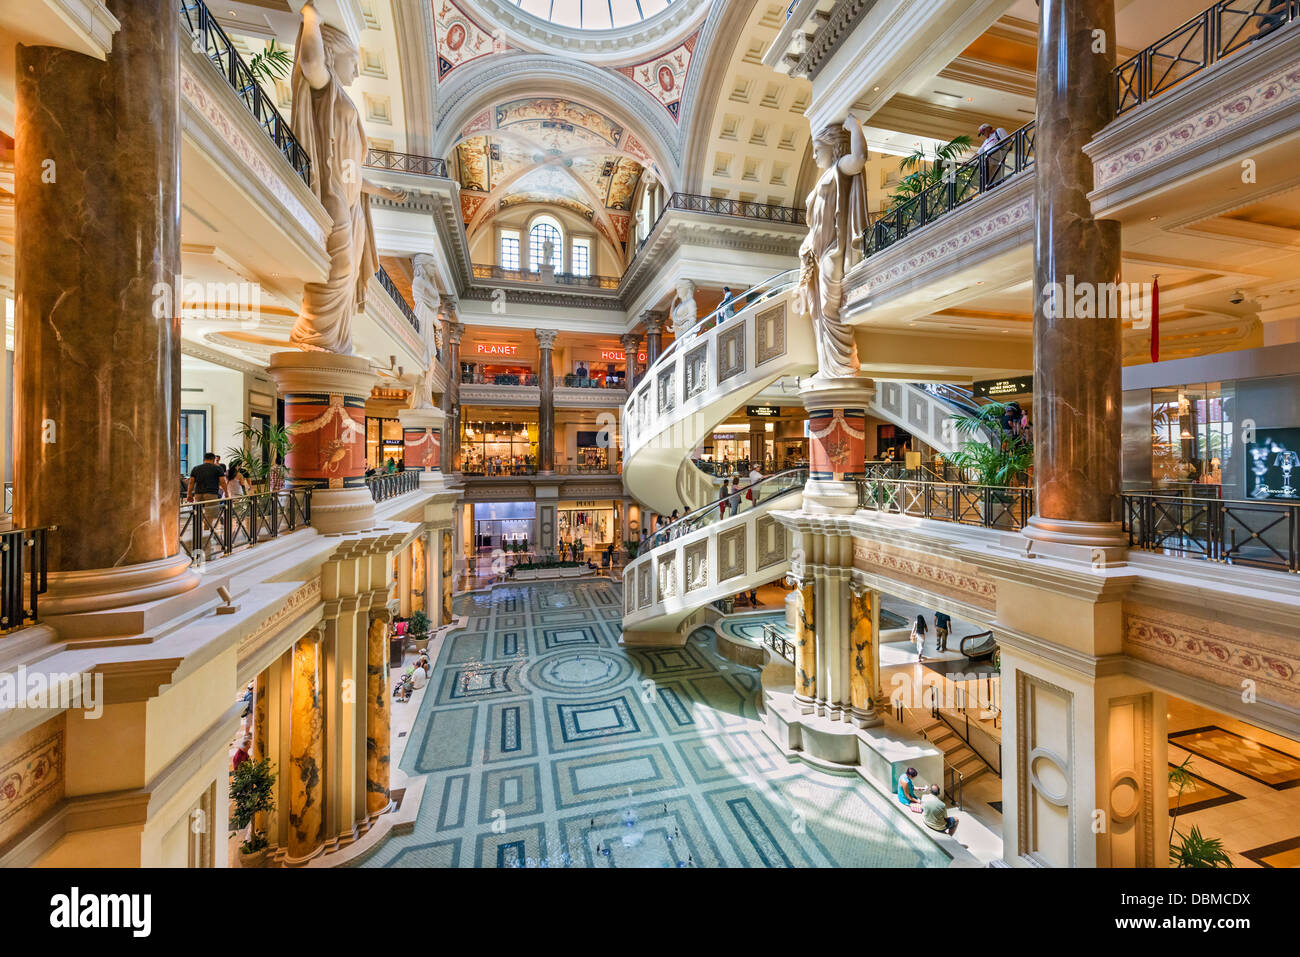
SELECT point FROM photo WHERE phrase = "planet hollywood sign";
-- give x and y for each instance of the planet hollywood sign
(618, 355)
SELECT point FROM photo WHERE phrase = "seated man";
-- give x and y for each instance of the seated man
(935, 813)
(907, 795)
(420, 676)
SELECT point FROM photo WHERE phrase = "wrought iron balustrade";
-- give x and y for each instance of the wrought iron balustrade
(504, 378)
(209, 39)
(1257, 533)
(1195, 46)
(778, 643)
(395, 294)
(388, 485)
(489, 271)
(24, 571)
(218, 527)
(406, 163)
(987, 506)
(961, 184)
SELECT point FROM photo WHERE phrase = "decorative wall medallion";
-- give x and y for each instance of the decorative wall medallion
(697, 565)
(731, 352)
(771, 536)
(697, 371)
(664, 76)
(731, 553)
(769, 334)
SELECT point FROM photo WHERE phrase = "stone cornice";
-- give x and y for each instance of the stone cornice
(831, 36)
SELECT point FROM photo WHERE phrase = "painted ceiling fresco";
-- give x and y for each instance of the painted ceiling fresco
(664, 76)
(550, 150)
(459, 40)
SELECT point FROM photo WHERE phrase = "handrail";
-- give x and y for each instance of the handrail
(505, 378)
(691, 521)
(1196, 45)
(490, 271)
(24, 573)
(778, 642)
(987, 506)
(726, 311)
(395, 294)
(718, 206)
(1253, 532)
(392, 484)
(210, 40)
(406, 162)
(229, 523)
(962, 183)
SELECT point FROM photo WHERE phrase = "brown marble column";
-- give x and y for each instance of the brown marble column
(805, 645)
(378, 745)
(631, 343)
(261, 732)
(97, 359)
(451, 399)
(757, 442)
(654, 322)
(546, 409)
(1077, 349)
(306, 748)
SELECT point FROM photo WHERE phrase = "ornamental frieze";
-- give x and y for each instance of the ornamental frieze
(955, 579)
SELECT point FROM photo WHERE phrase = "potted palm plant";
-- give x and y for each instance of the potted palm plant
(252, 789)
(261, 452)
(417, 629)
(1193, 849)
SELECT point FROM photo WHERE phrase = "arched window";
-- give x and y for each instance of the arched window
(544, 228)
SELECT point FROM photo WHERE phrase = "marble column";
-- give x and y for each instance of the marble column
(306, 748)
(631, 343)
(448, 583)
(261, 731)
(865, 698)
(1077, 346)
(97, 358)
(422, 441)
(546, 409)
(654, 322)
(451, 398)
(325, 411)
(837, 452)
(377, 718)
(805, 646)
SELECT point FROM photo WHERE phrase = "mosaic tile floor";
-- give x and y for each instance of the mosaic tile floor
(544, 743)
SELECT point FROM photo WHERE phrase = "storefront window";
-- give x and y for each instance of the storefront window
(503, 525)
(592, 523)
(1191, 435)
(499, 448)
(383, 442)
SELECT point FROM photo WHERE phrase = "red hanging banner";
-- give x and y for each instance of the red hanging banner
(1155, 318)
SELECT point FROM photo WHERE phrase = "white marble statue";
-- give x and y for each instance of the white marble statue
(328, 128)
(428, 301)
(682, 314)
(420, 388)
(837, 215)
(548, 253)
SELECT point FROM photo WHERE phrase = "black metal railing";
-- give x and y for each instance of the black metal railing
(496, 470)
(504, 378)
(489, 271)
(218, 527)
(23, 575)
(1196, 45)
(738, 499)
(960, 185)
(392, 484)
(778, 642)
(395, 294)
(585, 382)
(406, 163)
(209, 39)
(988, 506)
(1260, 534)
(698, 203)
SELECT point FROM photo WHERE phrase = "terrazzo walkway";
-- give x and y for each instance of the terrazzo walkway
(542, 742)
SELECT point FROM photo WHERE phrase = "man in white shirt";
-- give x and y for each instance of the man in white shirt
(992, 164)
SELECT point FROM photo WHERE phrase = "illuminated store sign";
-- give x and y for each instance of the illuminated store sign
(992, 388)
(615, 355)
(762, 411)
(497, 349)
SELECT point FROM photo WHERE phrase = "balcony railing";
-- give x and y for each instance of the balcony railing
(407, 163)
(1262, 534)
(395, 294)
(507, 378)
(495, 470)
(392, 484)
(778, 642)
(697, 203)
(988, 506)
(486, 271)
(1198, 44)
(23, 571)
(584, 382)
(960, 185)
(209, 529)
(209, 39)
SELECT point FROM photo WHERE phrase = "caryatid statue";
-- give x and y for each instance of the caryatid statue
(837, 214)
(428, 301)
(683, 312)
(327, 125)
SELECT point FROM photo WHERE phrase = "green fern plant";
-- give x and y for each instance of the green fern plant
(1005, 459)
(923, 168)
(1196, 850)
(271, 64)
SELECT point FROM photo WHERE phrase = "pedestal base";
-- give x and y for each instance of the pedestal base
(101, 589)
(337, 511)
(1096, 543)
